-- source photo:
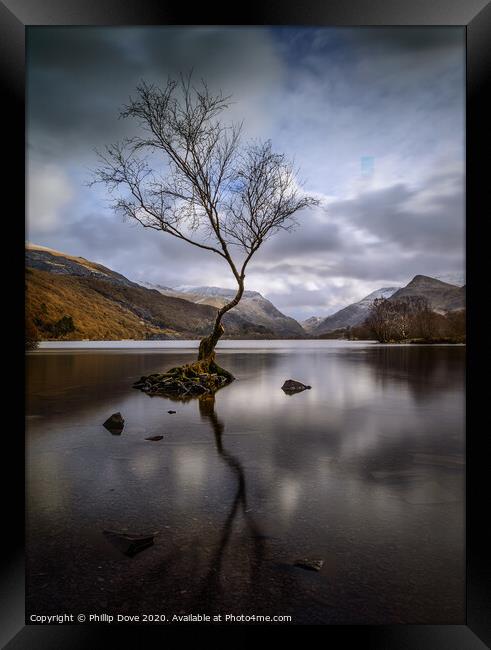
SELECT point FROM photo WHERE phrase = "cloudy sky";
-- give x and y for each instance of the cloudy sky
(373, 117)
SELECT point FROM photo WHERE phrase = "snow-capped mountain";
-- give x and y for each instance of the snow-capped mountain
(253, 308)
(103, 304)
(353, 314)
(215, 292)
(311, 323)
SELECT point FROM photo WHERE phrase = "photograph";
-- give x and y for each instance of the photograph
(245, 324)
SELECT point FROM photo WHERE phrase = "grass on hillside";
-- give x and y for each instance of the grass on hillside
(51, 297)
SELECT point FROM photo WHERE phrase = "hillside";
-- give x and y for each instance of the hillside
(441, 296)
(106, 311)
(311, 323)
(73, 298)
(253, 308)
(353, 314)
(48, 259)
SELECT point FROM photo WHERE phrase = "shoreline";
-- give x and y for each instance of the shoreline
(191, 345)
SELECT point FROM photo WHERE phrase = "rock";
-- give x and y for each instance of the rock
(184, 382)
(155, 438)
(128, 543)
(309, 564)
(114, 423)
(171, 412)
(292, 386)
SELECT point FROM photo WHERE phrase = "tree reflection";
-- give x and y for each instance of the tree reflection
(212, 582)
(426, 370)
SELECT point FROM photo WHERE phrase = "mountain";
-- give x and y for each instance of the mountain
(73, 298)
(311, 323)
(159, 287)
(441, 296)
(52, 261)
(353, 314)
(252, 308)
(101, 303)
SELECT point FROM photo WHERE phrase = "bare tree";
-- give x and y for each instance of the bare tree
(425, 319)
(398, 320)
(402, 316)
(189, 175)
(379, 320)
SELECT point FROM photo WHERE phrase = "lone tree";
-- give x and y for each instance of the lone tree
(189, 175)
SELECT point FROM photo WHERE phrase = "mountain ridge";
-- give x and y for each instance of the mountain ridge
(442, 297)
(58, 282)
(252, 307)
(73, 298)
(352, 314)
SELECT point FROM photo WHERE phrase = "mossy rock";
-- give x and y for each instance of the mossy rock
(184, 382)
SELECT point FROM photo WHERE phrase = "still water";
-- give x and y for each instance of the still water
(364, 471)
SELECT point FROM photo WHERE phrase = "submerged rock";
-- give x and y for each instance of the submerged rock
(114, 423)
(154, 438)
(292, 386)
(128, 543)
(309, 564)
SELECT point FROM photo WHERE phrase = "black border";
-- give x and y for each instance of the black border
(475, 15)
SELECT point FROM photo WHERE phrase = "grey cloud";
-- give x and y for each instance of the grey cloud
(79, 78)
(326, 97)
(439, 226)
(310, 235)
(137, 253)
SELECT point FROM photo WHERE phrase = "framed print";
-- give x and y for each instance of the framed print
(250, 265)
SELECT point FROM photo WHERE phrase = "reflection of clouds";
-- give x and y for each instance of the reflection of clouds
(365, 437)
(355, 468)
(190, 467)
(147, 465)
(323, 467)
(47, 495)
(325, 373)
(288, 494)
(369, 409)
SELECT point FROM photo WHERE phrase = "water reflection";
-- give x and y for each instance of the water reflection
(424, 372)
(211, 589)
(367, 464)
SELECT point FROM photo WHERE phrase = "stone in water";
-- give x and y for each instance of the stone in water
(127, 543)
(310, 565)
(114, 423)
(292, 386)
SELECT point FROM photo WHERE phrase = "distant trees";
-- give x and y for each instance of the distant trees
(64, 326)
(31, 334)
(359, 333)
(383, 320)
(456, 324)
(410, 318)
(426, 322)
(36, 326)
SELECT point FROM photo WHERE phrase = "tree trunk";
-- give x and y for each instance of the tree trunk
(207, 346)
(203, 376)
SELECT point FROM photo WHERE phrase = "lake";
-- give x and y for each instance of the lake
(365, 471)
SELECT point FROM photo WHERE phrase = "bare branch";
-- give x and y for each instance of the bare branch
(187, 174)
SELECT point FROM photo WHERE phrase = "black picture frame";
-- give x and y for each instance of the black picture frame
(475, 16)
